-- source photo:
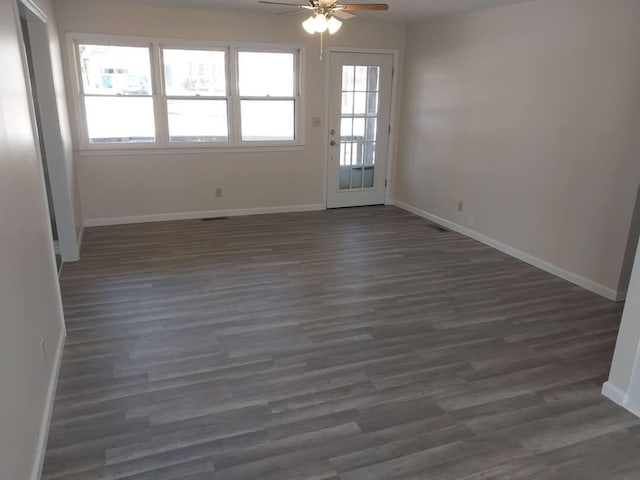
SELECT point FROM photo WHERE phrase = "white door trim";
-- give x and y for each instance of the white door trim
(55, 156)
(393, 117)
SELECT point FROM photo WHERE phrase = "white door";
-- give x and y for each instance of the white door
(359, 126)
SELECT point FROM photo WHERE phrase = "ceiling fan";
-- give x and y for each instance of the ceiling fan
(326, 14)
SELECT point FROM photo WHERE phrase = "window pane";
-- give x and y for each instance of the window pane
(120, 119)
(109, 70)
(268, 120)
(266, 74)
(195, 72)
(197, 120)
(361, 78)
(348, 75)
(346, 128)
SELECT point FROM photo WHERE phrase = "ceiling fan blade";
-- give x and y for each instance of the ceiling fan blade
(362, 6)
(342, 15)
(266, 2)
(290, 12)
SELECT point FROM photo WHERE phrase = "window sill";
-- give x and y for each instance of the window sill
(111, 152)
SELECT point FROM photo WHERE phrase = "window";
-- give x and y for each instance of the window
(196, 87)
(267, 95)
(177, 95)
(117, 92)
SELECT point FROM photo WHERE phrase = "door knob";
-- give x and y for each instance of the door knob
(332, 143)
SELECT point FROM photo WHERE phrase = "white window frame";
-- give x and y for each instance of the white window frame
(238, 98)
(166, 97)
(160, 97)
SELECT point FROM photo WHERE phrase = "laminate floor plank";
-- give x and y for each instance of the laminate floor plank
(353, 344)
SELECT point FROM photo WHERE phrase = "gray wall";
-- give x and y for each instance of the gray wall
(530, 115)
(30, 308)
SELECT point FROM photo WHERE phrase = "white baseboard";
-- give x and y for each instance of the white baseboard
(620, 398)
(525, 257)
(614, 394)
(163, 217)
(36, 473)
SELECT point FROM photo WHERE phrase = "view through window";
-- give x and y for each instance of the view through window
(196, 98)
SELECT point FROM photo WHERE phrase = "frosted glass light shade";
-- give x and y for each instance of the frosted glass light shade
(309, 25)
(321, 23)
(333, 24)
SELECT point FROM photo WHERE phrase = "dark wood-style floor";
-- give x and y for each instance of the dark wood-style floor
(354, 344)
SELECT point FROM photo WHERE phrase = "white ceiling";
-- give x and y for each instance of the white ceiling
(399, 10)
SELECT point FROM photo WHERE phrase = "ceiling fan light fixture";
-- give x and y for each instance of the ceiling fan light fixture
(333, 25)
(320, 23)
(309, 25)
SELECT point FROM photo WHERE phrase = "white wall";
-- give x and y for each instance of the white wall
(114, 186)
(530, 115)
(30, 308)
(623, 386)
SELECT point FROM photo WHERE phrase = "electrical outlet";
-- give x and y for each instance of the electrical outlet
(218, 192)
(460, 206)
(43, 350)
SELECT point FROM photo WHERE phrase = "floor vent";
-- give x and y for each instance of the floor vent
(213, 219)
(437, 227)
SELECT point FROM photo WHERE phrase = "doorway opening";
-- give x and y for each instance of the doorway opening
(53, 150)
(24, 13)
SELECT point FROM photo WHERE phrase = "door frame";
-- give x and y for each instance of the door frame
(393, 114)
(51, 133)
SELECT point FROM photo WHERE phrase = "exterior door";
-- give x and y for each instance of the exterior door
(359, 127)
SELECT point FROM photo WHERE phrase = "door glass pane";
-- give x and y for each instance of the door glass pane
(114, 70)
(360, 103)
(371, 129)
(368, 177)
(194, 72)
(372, 103)
(346, 128)
(120, 119)
(362, 78)
(197, 120)
(358, 129)
(356, 177)
(347, 101)
(358, 126)
(348, 74)
(373, 79)
(370, 153)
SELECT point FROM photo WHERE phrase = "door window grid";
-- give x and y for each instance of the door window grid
(358, 129)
